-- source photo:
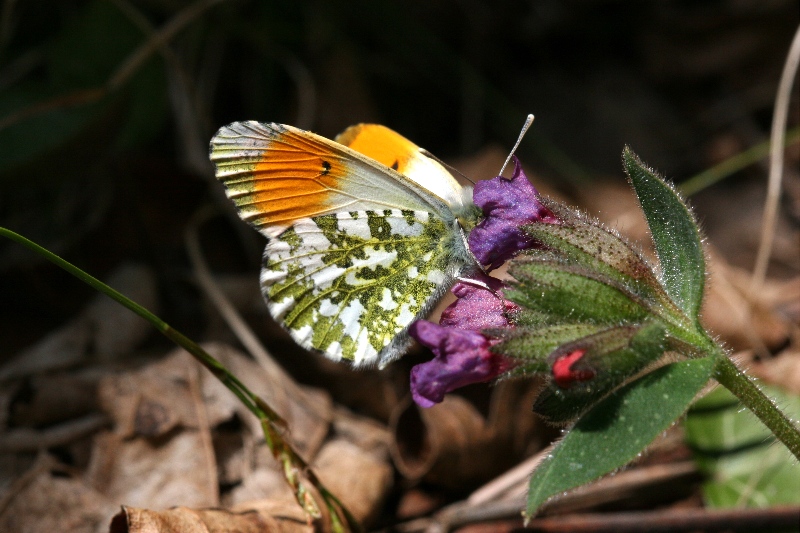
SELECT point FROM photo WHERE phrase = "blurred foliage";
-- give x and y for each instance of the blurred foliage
(450, 75)
(744, 464)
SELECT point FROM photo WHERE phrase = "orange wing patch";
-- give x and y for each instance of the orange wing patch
(277, 175)
(295, 178)
(395, 151)
(381, 144)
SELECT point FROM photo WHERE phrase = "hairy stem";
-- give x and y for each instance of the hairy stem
(743, 387)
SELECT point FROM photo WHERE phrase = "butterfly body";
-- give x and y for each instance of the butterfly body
(365, 234)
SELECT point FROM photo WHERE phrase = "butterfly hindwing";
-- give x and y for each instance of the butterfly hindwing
(349, 284)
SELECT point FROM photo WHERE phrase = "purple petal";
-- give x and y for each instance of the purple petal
(507, 205)
(462, 358)
(479, 307)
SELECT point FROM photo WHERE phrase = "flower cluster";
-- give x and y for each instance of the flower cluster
(462, 351)
(459, 342)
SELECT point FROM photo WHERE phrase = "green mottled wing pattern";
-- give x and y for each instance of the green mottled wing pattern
(350, 283)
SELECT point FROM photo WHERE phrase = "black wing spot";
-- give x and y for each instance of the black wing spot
(395, 165)
(326, 167)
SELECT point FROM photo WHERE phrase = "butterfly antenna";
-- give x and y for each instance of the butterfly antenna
(528, 122)
(426, 153)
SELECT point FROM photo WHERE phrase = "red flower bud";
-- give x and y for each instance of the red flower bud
(563, 373)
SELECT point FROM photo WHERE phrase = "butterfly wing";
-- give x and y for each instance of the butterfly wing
(350, 284)
(278, 174)
(393, 150)
(357, 250)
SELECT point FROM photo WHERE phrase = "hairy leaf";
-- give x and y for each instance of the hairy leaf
(675, 235)
(616, 430)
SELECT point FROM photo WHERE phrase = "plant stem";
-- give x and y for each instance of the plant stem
(273, 425)
(743, 387)
(732, 165)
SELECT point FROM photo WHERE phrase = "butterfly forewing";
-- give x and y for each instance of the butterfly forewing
(277, 174)
(395, 151)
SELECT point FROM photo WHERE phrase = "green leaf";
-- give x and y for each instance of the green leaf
(594, 247)
(675, 235)
(570, 293)
(598, 249)
(755, 477)
(614, 356)
(738, 453)
(615, 431)
(525, 342)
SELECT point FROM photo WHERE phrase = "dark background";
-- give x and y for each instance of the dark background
(107, 108)
(103, 158)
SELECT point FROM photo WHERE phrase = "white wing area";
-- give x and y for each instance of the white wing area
(350, 284)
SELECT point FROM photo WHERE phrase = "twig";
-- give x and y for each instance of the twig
(512, 499)
(509, 480)
(158, 40)
(204, 428)
(777, 139)
(228, 312)
(25, 440)
(184, 99)
(121, 75)
(775, 518)
(296, 471)
(733, 164)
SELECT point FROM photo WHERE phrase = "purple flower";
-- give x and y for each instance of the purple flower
(507, 205)
(462, 358)
(480, 305)
(461, 350)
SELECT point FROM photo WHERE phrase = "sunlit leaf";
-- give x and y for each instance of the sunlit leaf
(675, 235)
(615, 431)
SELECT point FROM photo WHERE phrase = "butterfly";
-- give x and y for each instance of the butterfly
(365, 232)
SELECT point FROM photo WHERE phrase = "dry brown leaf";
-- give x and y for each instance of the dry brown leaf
(266, 482)
(455, 446)
(156, 473)
(56, 503)
(307, 411)
(354, 465)
(155, 458)
(268, 519)
(156, 399)
(449, 444)
(53, 398)
(361, 480)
